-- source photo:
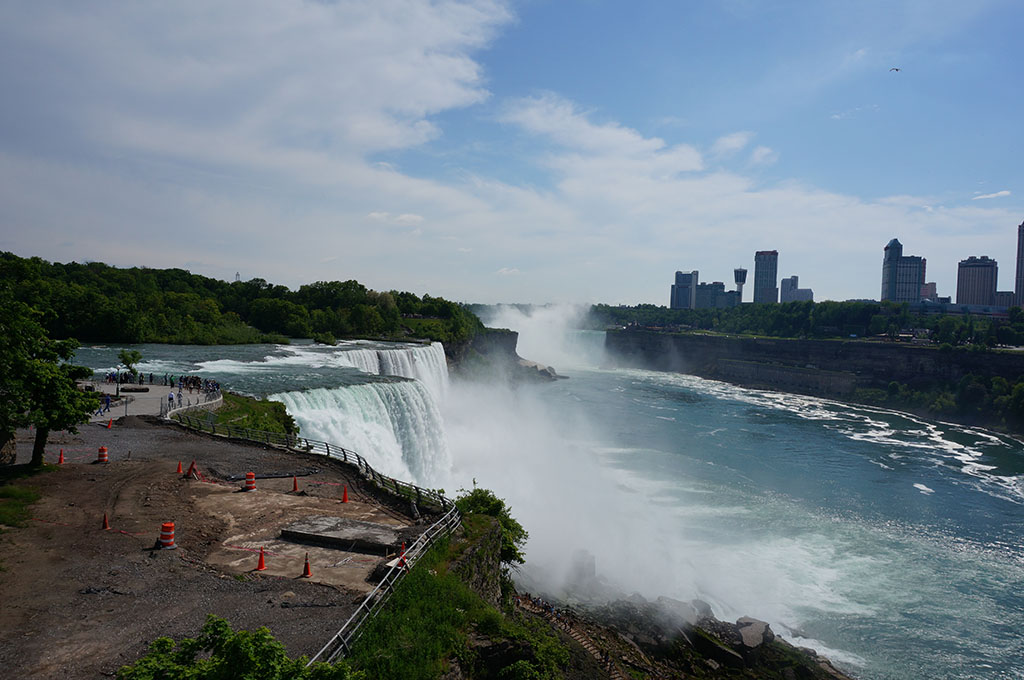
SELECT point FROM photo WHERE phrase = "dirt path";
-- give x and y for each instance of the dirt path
(79, 602)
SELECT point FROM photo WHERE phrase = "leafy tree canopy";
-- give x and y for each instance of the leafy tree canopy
(484, 502)
(37, 380)
(98, 303)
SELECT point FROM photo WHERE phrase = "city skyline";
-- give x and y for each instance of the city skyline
(492, 151)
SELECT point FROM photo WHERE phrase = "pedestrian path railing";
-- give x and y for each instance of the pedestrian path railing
(204, 400)
(404, 490)
(341, 643)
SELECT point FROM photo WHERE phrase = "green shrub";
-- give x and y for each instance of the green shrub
(220, 653)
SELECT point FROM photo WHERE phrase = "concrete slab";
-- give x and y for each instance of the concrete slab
(344, 534)
(255, 520)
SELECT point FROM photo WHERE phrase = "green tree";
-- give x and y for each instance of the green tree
(484, 502)
(37, 382)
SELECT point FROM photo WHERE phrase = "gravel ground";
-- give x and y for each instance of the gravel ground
(79, 602)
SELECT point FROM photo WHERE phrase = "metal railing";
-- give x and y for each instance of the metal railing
(205, 400)
(341, 643)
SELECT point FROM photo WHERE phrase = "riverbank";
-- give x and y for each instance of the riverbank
(974, 388)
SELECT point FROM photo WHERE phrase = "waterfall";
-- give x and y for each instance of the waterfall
(425, 363)
(396, 426)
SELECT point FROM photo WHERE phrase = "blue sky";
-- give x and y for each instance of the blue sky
(534, 151)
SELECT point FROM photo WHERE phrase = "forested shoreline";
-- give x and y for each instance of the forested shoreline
(888, 320)
(95, 302)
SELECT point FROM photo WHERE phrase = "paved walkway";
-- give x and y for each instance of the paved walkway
(138, 403)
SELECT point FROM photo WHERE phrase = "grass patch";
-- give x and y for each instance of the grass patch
(14, 502)
(256, 414)
(428, 622)
(15, 499)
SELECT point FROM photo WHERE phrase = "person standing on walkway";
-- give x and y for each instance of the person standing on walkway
(106, 403)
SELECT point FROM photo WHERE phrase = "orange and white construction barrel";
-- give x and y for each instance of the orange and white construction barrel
(167, 536)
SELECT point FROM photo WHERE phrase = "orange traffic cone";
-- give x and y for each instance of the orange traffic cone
(295, 484)
(106, 524)
(60, 461)
(109, 423)
(344, 494)
(401, 558)
(262, 565)
(306, 573)
(191, 469)
(179, 467)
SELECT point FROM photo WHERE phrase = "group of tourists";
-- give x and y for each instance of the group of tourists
(192, 382)
(126, 377)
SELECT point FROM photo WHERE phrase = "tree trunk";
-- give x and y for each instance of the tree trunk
(8, 448)
(39, 447)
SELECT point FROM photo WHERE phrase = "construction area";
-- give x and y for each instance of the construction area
(92, 579)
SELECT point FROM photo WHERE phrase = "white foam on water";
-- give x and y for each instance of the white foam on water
(924, 489)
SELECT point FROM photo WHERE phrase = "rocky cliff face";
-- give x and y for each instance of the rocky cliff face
(820, 367)
(479, 564)
(493, 352)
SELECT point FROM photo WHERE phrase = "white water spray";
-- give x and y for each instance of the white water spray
(550, 335)
(396, 426)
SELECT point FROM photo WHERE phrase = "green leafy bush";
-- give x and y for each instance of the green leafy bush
(220, 653)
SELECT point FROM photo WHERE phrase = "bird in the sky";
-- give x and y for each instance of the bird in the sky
(893, 69)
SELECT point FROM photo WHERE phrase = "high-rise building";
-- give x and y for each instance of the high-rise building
(1018, 288)
(739, 275)
(766, 274)
(930, 292)
(1004, 298)
(790, 291)
(715, 296)
(684, 291)
(976, 281)
(902, 275)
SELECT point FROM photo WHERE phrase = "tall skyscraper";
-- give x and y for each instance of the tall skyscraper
(739, 275)
(902, 275)
(684, 291)
(766, 275)
(1018, 288)
(976, 281)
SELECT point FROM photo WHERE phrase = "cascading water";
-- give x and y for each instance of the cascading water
(394, 425)
(425, 363)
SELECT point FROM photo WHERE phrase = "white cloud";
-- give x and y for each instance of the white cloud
(998, 194)
(182, 126)
(408, 219)
(558, 119)
(763, 155)
(732, 143)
